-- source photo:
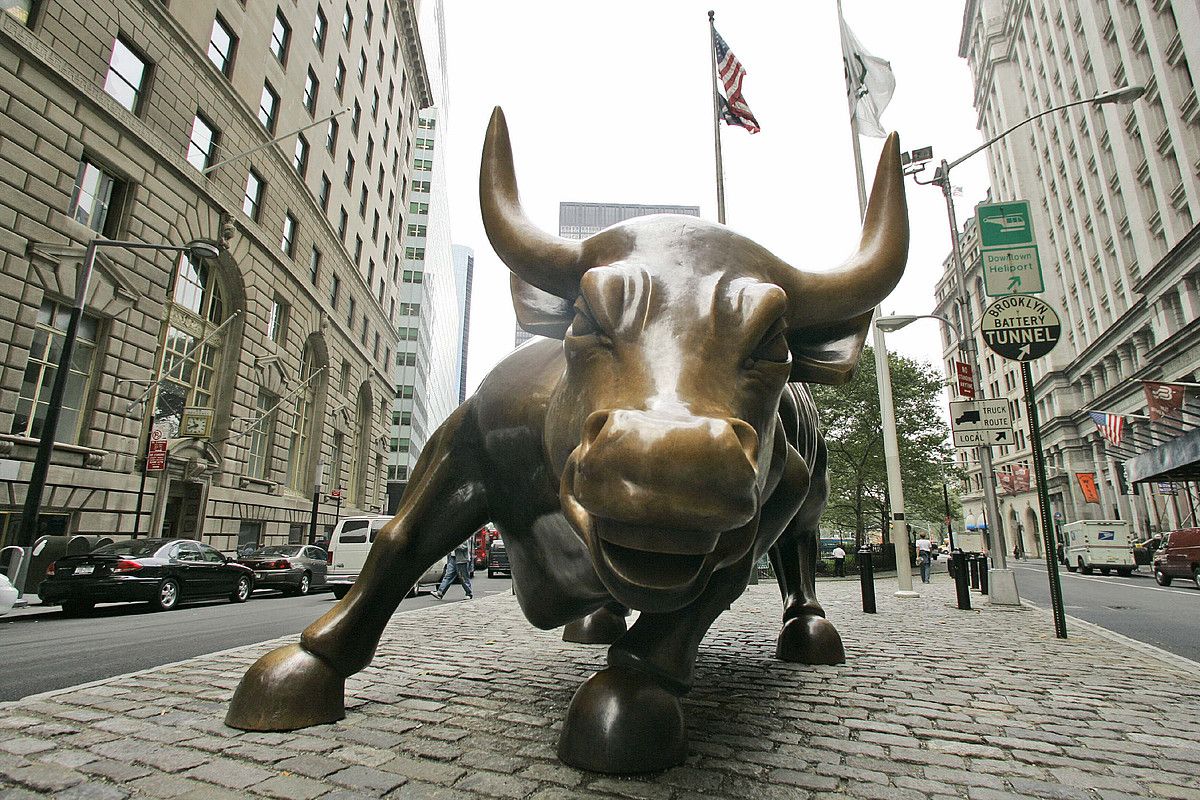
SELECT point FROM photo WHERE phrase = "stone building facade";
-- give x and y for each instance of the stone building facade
(1114, 191)
(267, 368)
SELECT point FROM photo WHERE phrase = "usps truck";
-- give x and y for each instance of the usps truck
(1103, 544)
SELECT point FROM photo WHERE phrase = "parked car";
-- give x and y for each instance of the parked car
(162, 572)
(1179, 557)
(294, 568)
(348, 547)
(8, 595)
(498, 559)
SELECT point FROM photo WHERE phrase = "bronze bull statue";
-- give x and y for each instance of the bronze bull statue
(645, 456)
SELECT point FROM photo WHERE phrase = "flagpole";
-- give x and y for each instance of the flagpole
(712, 50)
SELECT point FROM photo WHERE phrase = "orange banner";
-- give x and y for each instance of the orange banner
(1087, 485)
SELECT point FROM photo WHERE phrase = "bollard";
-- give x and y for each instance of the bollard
(973, 569)
(983, 574)
(866, 580)
(959, 562)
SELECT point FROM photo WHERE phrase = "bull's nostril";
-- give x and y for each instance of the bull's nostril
(593, 425)
(748, 438)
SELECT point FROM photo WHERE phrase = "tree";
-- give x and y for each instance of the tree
(854, 436)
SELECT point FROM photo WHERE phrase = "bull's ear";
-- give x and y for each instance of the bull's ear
(539, 312)
(829, 353)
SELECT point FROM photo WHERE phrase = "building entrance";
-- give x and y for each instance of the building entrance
(183, 514)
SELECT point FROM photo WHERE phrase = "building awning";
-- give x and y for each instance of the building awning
(1176, 460)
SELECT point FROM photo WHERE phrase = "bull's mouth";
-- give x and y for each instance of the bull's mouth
(651, 570)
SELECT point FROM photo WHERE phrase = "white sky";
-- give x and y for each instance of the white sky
(611, 102)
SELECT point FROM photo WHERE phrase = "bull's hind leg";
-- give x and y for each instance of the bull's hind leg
(603, 626)
(807, 637)
(303, 684)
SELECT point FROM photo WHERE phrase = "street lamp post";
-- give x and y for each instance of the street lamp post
(41, 464)
(1006, 591)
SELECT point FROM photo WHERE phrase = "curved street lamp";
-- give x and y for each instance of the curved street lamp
(198, 249)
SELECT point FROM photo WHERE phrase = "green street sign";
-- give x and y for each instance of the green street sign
(1004, 224)
(1008, 253)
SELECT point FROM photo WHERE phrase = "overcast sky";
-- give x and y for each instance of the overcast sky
(611, 102)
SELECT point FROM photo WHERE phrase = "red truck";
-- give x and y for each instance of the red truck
(480, 542)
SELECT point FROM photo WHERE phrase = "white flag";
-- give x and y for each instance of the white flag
(869, 83)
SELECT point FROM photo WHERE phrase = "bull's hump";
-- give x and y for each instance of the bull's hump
(696, 243)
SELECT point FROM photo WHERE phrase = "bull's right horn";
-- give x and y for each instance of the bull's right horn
(550, 263)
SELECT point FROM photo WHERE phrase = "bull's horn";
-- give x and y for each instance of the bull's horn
(550, 263)
(873, 271)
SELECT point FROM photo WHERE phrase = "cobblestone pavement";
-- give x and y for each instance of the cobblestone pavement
(465, 700)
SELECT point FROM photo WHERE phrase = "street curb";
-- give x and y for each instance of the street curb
(1165, 656)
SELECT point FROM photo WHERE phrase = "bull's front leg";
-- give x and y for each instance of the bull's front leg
(627, 718)
(303, 684)
(806, 637)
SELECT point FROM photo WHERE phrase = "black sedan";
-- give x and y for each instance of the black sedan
(294, 568)
(162, 572)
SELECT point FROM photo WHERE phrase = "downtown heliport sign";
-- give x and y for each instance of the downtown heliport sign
(1007, 251)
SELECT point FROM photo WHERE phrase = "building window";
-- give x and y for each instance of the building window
(222, 45)
(421, 186)
(203, 143)
(418, 208)
(287, 242)
(343, 223)
(417, 253)
(252, 202)
(368, 19)
(268, 107)
(281, 37)
(314, 265)
(348, 177)
(302, 434)
(331, 135)
(320, 30)
(406, 392)
(410, 309)
(336, 456)
(334, 289)
(277, 322)
(363, 335)
(300, 156)
(355, 117)
(370, 150)
(362, 202)
(258, 461)
(417, 230)
(350, 313)
(423, 144)
(374, 105)
(96, 193)
(127, 72)
(323, 192)
(347, 23)
(22, 11)
(312, 88)
(358, 245)
(189, 370)
(361, 71)
(414, 276)
(49, 334)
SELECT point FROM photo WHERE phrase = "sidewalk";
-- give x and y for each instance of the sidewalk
(933, 702)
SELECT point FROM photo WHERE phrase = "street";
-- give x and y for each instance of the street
(1137, 607)
(42, 649)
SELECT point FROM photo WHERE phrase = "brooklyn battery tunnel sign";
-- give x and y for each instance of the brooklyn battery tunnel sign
(1020, 328)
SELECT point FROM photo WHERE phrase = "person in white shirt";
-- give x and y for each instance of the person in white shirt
(924, 556)
(839, 562)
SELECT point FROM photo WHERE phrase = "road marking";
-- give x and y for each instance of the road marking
(1109, 581)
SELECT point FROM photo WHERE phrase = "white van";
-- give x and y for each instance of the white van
(1104, 544)
(348, 547)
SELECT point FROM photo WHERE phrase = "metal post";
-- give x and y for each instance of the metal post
(1039, 467)
(312, 522)
(866, 579)
(41, 464)
(949, 526)
(958, 562)
(137, 513)
(983, 575)
(712, 43)
(973, 568)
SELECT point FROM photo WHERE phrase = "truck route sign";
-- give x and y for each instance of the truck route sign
(1020, 327)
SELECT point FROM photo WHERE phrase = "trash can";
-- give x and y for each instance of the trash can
(46, 550)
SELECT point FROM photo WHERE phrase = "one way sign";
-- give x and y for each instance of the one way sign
(985, 438)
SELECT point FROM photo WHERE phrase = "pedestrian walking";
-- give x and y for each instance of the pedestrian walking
(458, 568)
(924, 556)
(839, 562)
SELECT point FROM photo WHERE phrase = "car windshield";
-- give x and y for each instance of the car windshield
(278, 550)
(131, 547)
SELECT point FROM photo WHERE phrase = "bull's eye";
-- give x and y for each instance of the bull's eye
(773, 347)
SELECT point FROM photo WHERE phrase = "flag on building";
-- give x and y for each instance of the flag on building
(869, 83)
(1005, 479)
(1087, 485)
(734, 110)
(1020, 478)
(1111, 426)
(1163, 399)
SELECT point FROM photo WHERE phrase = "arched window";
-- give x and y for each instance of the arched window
(189, 369)
(362, 449)
(299, 473)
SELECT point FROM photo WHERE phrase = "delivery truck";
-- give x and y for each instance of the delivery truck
(1103, 544)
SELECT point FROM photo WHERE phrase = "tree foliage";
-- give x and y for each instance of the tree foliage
(853, 432)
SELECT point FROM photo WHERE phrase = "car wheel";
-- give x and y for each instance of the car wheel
(1105, 570)
(491, 573)
(1196, 576)
(339, 591)
(168, 595)
(1125, 572)
(1161, 579)
(1085, 570)
(1070, 567)
(303, 586)
(242, 592)
(77, 608)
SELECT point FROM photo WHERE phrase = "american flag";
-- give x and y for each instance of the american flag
(1111, 426)
(734, 109)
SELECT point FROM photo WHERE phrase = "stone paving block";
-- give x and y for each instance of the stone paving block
(292, 787)
(229, 773)
(92, 791)
(40, 777)
(367, 779)
(420, 769)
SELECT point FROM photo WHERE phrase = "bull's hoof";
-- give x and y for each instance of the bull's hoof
(621, 721)
(286, 689)
(810, 639)
(602, 626)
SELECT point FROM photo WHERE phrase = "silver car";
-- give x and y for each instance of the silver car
(294, 568)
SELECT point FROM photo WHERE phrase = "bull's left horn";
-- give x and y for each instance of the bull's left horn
(550, 263)
(873, 271)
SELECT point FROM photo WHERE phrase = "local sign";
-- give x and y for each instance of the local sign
(1008, 253)
(983, 438)
(1020, 328)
